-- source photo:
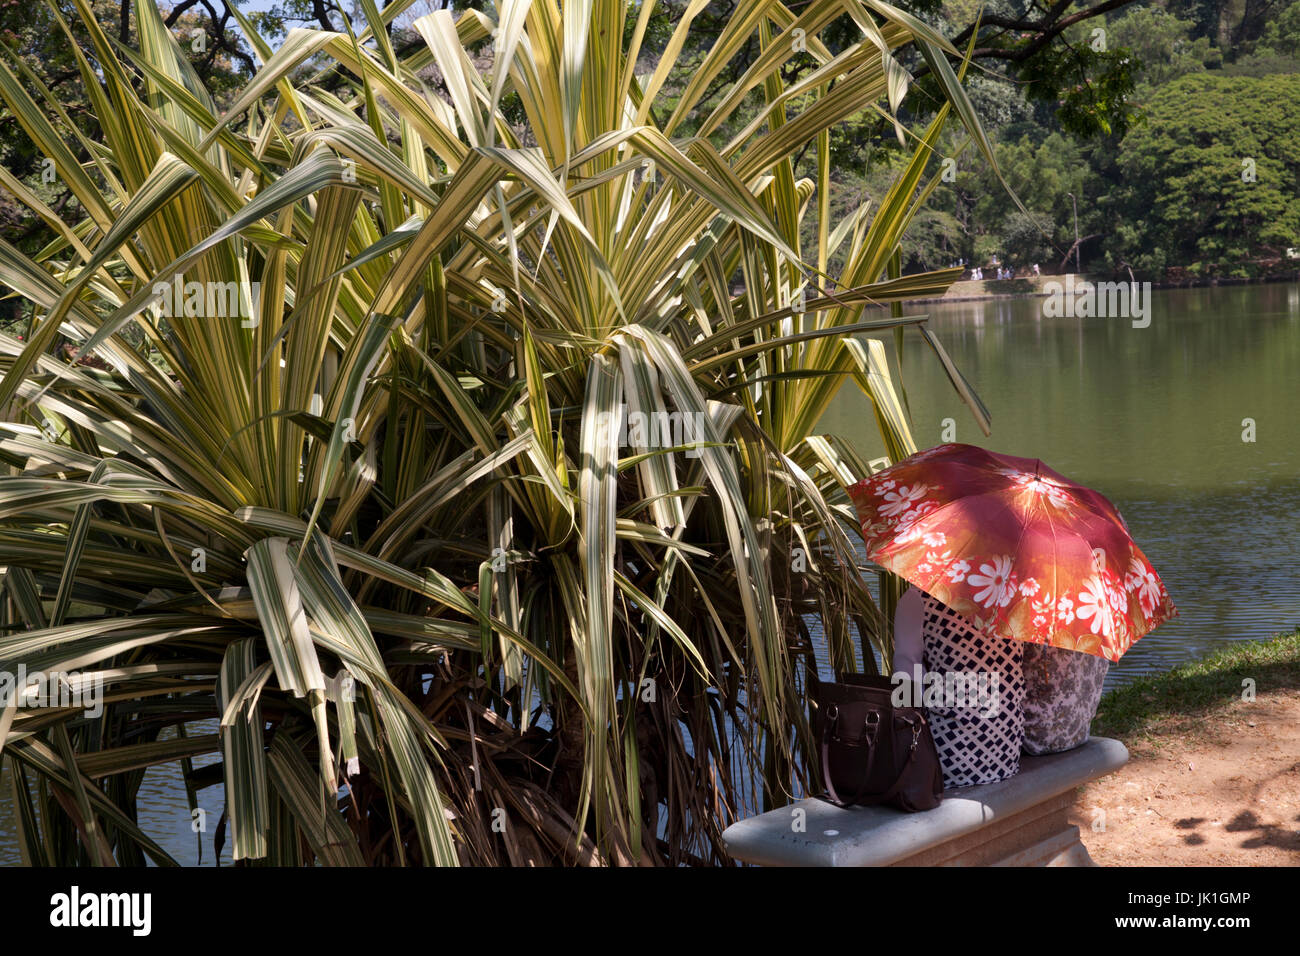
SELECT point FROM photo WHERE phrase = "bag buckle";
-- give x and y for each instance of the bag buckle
(870, 727)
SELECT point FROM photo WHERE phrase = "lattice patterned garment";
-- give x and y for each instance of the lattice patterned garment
(979, 742)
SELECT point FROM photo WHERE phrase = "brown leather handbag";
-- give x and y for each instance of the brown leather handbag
(872, 752)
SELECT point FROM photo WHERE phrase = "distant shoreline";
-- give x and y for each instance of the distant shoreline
(1029, 287)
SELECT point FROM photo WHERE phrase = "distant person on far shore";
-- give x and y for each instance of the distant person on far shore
(1036, 269)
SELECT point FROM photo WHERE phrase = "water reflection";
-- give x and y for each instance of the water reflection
(164, 813)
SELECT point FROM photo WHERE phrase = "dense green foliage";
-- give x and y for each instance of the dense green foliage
(1204, 182)
(1069, 112)
(1031, 68)
(1161, 192)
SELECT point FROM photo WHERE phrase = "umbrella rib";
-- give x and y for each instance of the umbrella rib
(926, 519)
(1024, 526)
(1056, 571)
(995, 495)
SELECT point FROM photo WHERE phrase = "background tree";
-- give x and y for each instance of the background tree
(1205, 183)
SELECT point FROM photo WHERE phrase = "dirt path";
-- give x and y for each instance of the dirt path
(1222, 790)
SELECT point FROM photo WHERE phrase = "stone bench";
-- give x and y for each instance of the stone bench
(1022, 821)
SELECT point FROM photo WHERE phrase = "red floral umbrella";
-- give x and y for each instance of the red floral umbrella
(1016, 548)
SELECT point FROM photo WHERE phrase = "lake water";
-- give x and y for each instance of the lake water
(164, 812)
(1153, 418)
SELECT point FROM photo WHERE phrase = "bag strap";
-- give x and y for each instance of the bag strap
(828, 727)
(911, 756)
(892, 790)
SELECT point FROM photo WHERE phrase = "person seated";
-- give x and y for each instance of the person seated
(978, 680)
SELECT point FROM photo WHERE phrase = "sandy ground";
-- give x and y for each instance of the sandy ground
(1222, 790)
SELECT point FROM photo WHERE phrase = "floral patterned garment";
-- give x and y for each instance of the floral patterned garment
(1062, 691)
(1020, 550)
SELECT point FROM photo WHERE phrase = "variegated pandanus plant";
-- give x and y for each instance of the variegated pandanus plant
(446, 487)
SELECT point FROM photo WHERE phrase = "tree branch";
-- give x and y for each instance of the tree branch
(177, 11)
(1046, 29)
(320, 10)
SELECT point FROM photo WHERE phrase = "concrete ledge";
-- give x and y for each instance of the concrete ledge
(880, 836)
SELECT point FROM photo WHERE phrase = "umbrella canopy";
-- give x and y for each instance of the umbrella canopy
(1015, 547)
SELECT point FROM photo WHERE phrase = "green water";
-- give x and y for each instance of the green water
(1152, 418)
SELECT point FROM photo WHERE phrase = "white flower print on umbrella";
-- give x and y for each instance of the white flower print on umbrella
(1044, 604)
(1149, 590)
(1133, 577)
(1094, 607)
(1015, 545)
(1116, 595)
(897, 502)
(906, 530)
(995, 581)
(934, 557)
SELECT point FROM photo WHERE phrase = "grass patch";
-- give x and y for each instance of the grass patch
(1199, 688)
